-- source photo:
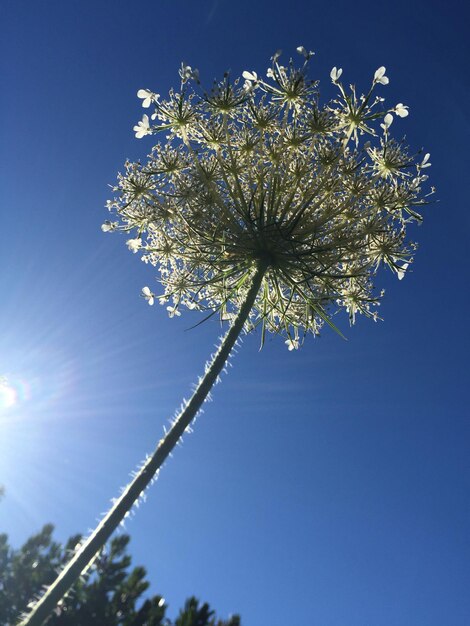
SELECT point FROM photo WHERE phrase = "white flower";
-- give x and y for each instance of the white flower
(379, 76)
(109, 226)
(188, 73)
(142, 128)
(301, 50)
(292, 344)
(276, 55)
(134, 245)
(253, 76)
(227, 317)
(206, 245)
(148, 295)
(401, 110)
(189, 304)
(172, 311)
(335, 74)
(425, 162)
(147, 96)
(388, 119)
(402, 271)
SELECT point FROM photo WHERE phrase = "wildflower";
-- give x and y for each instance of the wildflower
(142, 128)
(379, 76)
(292, 344)
(148, 295)
(307, 55)
(335, 74)
(172, 311)
(188, 73)
(388, 119)
(401, 110)
(252, 76)
(147, 96)
(425, 162)
(134, 245)
(402, 271)
(266, 176)
(109, 226)
(269, 208)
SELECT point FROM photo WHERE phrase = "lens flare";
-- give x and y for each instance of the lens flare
(13, 392)
(8, 395)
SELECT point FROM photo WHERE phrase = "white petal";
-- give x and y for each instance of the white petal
(379, 73)
(250, 75)
(335, 74)
(401, 110)
(402, 271)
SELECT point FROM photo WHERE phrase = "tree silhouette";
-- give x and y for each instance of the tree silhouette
(110, 593)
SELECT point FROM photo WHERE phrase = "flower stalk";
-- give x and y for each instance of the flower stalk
(85, 555)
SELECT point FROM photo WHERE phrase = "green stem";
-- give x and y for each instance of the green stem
(85, 555)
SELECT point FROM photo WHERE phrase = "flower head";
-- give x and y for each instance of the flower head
(262, 174)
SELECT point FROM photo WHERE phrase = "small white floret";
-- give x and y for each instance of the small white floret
(108, 226)
(148, 295)
(388, 119)
(147, 97)
(253, 76)
(134, 245)
(172, 311)
(188, 73)
(292, 344)
(301, 50)
(142, 128)
(402, 271)
(401, 110)
(335, 74)
(379, 76)
(425, 162)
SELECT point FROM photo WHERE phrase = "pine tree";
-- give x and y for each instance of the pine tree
(109, 594)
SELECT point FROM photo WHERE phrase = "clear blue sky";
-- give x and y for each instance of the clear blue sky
(326, 487)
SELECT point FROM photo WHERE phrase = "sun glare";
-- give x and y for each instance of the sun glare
(8, 394)
(12, 392)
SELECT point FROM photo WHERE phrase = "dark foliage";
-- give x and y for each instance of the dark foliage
(109, 594)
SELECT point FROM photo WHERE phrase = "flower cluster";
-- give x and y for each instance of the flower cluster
(261, 173)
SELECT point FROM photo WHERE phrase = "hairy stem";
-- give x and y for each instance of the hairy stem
(88, 550)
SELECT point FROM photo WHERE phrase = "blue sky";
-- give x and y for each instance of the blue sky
(328, 486)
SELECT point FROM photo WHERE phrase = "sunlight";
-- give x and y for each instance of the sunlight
(12, 392)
